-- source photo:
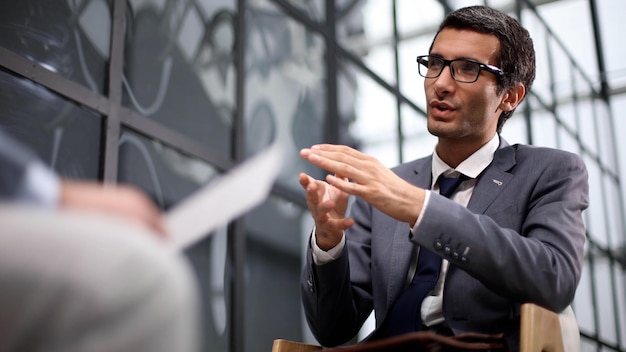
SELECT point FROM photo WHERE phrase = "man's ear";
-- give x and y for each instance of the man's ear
(512, 97)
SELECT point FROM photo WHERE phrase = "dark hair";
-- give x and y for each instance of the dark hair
(517, 54)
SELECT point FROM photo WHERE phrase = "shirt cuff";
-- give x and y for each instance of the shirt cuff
(421, 214)
(320, 256)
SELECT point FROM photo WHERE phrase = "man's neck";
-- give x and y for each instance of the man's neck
(455, 151)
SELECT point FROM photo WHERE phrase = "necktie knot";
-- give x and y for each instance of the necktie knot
(447, 185)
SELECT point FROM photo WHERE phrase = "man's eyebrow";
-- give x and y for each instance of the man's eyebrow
(456, 58)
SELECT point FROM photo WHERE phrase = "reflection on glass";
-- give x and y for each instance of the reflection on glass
(354, 32)
(179, 67)
(377, 119)
(64, 135)
(164, 173)
(276, 222)
(70, 38)
(285, 88)
(316, 10)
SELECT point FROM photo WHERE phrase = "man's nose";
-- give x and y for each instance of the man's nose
(445, 82)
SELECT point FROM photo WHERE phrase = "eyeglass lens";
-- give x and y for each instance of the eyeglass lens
(462, 70)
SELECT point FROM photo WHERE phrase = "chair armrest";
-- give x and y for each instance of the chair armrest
(540, 330)
(281, 345)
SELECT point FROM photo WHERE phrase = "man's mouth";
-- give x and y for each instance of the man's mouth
(440, 106)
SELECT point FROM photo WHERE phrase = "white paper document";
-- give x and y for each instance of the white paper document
(224, 199)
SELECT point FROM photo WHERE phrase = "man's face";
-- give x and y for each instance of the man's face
(466, 112)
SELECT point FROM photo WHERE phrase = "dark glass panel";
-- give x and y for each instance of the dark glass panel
(164, 173)
(275, 232)
(70, 38)
(66, 136)
(169, 177)
(285, 88)
(179, 69)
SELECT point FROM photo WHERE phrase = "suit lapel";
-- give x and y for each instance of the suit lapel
(493, 180)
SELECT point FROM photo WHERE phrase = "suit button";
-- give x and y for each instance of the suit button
(447, 250)
(438, 245)
(455, 255)
(463, 259)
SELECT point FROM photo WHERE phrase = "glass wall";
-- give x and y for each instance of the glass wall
(169, 94)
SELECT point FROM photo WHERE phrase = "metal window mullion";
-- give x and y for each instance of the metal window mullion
(55, 82)
(237, 247)
(396, 43)
(112, 121)
(604, 85)
(173, 139)
(332, 113)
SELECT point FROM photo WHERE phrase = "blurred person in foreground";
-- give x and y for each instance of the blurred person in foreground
(86, 267)
(512, 232)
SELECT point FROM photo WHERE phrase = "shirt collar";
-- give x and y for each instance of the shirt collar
(472, 166)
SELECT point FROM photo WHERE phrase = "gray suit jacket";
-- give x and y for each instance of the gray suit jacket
(519, 240)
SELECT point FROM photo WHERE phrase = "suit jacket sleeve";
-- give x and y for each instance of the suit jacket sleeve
(525, 246)
(337, 296)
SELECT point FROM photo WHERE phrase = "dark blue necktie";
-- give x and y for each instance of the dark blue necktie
(405, 315)
(447, 185)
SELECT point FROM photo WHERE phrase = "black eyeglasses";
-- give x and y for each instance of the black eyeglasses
(462, 70)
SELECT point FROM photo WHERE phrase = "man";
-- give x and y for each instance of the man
(511, 233)
(84, 267)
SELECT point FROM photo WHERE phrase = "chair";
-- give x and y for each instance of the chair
(540, 331)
